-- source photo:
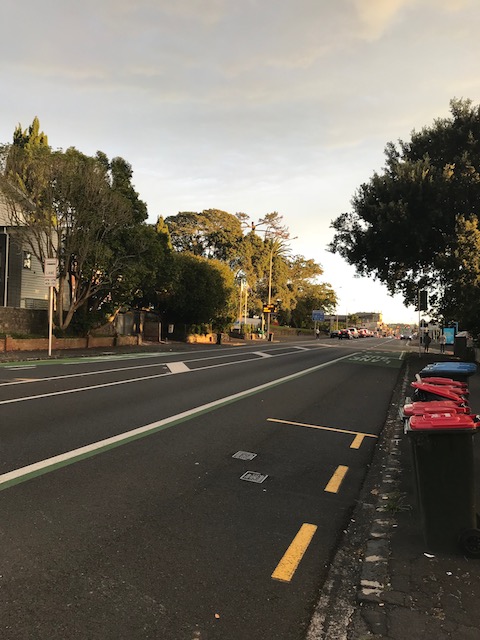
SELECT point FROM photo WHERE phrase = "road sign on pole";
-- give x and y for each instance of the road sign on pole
(318, 315)
(50, 271)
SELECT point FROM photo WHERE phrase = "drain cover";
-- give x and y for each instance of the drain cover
(254, 476)
(244, 455)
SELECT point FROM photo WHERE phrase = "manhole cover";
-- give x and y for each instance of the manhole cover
(244, 455)
(254, 476)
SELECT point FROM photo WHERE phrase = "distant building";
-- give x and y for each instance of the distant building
(366, 320)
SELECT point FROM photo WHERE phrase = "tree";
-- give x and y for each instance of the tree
(203, 291)
(210, 234)
(75, 208)
(411, 223)
(312, 296)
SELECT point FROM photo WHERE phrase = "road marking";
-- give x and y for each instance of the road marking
(23, 474)
(263, 354)
(177, 367)
(336, 480)
(295, 552)
(21, 367)
(357, 441)
(382, 358)
(314, 426)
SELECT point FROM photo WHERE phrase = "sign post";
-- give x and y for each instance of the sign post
(318, 315)
(50, 273)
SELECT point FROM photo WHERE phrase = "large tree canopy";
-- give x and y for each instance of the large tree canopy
(78, 209)
(203, 292)
(210, 234)
(258, 253)
(415, 224)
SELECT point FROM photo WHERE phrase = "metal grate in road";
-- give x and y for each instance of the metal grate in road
(254, 476)
(244, 455)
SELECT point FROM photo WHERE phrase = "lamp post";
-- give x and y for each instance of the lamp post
(240, 307)
(273, 230)
(270, 288)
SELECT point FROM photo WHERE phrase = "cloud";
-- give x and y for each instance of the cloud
(376, 16)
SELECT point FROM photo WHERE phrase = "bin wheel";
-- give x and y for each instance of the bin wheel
(470, 542)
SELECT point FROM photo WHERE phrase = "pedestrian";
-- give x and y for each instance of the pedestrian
(426, 341)
(317, 333)
(443, 342)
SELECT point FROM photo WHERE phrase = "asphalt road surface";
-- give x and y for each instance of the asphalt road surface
(183, 496)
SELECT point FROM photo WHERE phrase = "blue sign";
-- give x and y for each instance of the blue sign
(450, 335)
(318, 315)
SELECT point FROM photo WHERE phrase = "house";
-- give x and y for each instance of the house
(21, 274)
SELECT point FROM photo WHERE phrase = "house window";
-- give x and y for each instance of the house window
(27, 260)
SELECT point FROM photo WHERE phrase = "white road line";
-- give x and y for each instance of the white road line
(22, 474)
(262, 354)
(85, 374)
(20, 368)
(177, 367)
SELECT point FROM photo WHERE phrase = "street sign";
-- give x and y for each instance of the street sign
(318, 315)
(50, 271)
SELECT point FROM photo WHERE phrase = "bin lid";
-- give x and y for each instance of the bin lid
(447, 381)
(435, 406)
(450, 393)
(452, 368)
(442, 421)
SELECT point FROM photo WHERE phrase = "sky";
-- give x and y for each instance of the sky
(249, 106)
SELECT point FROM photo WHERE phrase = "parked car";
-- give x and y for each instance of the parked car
(334, 334)
(353, 331)
(344, 334)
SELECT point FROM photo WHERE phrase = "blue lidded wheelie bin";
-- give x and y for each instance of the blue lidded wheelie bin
(443, 464)
(460, 371)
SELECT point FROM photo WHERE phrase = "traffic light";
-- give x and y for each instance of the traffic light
(422, 300)
(269, 308)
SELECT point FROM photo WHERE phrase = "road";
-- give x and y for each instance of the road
(196, 495)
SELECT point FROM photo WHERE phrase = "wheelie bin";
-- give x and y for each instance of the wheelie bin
(424, 392)
(449, 382)
(443, 464)
(434, 406)
(460, 371)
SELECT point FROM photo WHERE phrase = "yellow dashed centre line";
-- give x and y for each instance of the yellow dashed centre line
(336, 480)
(295, 552)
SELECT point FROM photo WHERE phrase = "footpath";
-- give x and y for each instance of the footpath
(383, 583)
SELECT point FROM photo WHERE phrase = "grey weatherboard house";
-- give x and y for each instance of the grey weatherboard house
(21, 274)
